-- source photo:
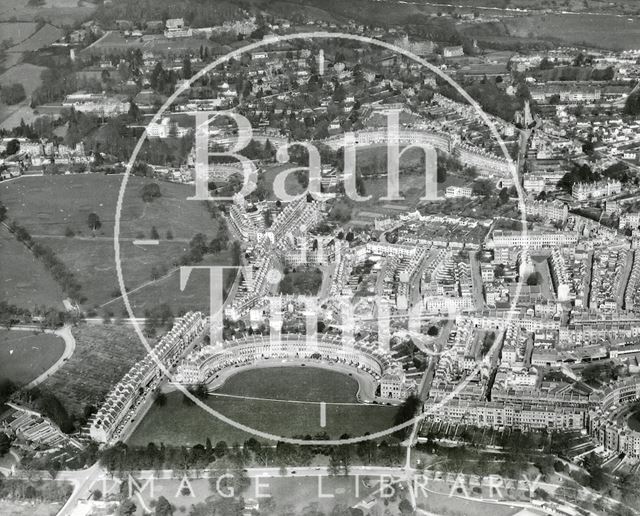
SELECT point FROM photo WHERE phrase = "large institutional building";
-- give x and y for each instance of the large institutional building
(595, 190)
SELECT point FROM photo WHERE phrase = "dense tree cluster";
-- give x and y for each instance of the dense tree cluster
(37, 490)
(574, 73)
(48, 405)
(163, 81)
(150, 192)
(194, 12)
(407, 411)
(122, 457)
(56, 83)
(12, 94)
(305, 281)
(579, 173)
(632, 104)
(7, 388)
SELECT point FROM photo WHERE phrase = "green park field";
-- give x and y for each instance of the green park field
(634, 421)
(25, 355)
(58, 12)
(602, 31)
(182, 423)
(23, 280)
(51, 207)
(47, 205)
(594, 30)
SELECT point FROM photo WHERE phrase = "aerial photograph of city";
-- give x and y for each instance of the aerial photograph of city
(319, 257)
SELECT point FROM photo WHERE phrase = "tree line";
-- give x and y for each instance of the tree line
(122, 458)
(58, 270)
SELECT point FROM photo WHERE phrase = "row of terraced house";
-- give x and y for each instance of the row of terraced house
(130, 394)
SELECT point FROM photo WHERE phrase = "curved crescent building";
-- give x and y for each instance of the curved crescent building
(367, 358)
(607, 423)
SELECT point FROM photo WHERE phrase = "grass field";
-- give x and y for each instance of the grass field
(180, 423)
(26, 74)
(311, 384)
(17, 31)
(24, 282)
(49, 205)
(103, 355)
(25, 355)
(634, 421)
(600, 31)
(42, 38)
(195, 295)
(93, 263)
(442, 503)
(412, 188)
(373, 159)
(11, 116)
(116, 41)
(292, 185)
(58, 12)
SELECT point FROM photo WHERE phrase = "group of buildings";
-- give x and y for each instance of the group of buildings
(136, 389)
(207, 364)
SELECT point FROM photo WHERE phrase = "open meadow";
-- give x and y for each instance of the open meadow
(412, 188)
(24, 281)
(281, 401)
(42, 38)
(50, 207)
(25, 355)
(59, 12)
(12, 116)
(166, 289)
(26, 74)
(593, 30)
(15, 32)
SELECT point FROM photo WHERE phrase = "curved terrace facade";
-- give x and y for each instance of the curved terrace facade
(409, 136)
(608, 421)
(203, 365)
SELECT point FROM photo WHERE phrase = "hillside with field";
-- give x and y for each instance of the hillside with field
(58, 12)
(598, 31)
(16, 32)
(27, 74)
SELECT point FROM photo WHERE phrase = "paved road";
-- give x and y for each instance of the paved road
(476, 280)
(82, 481)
